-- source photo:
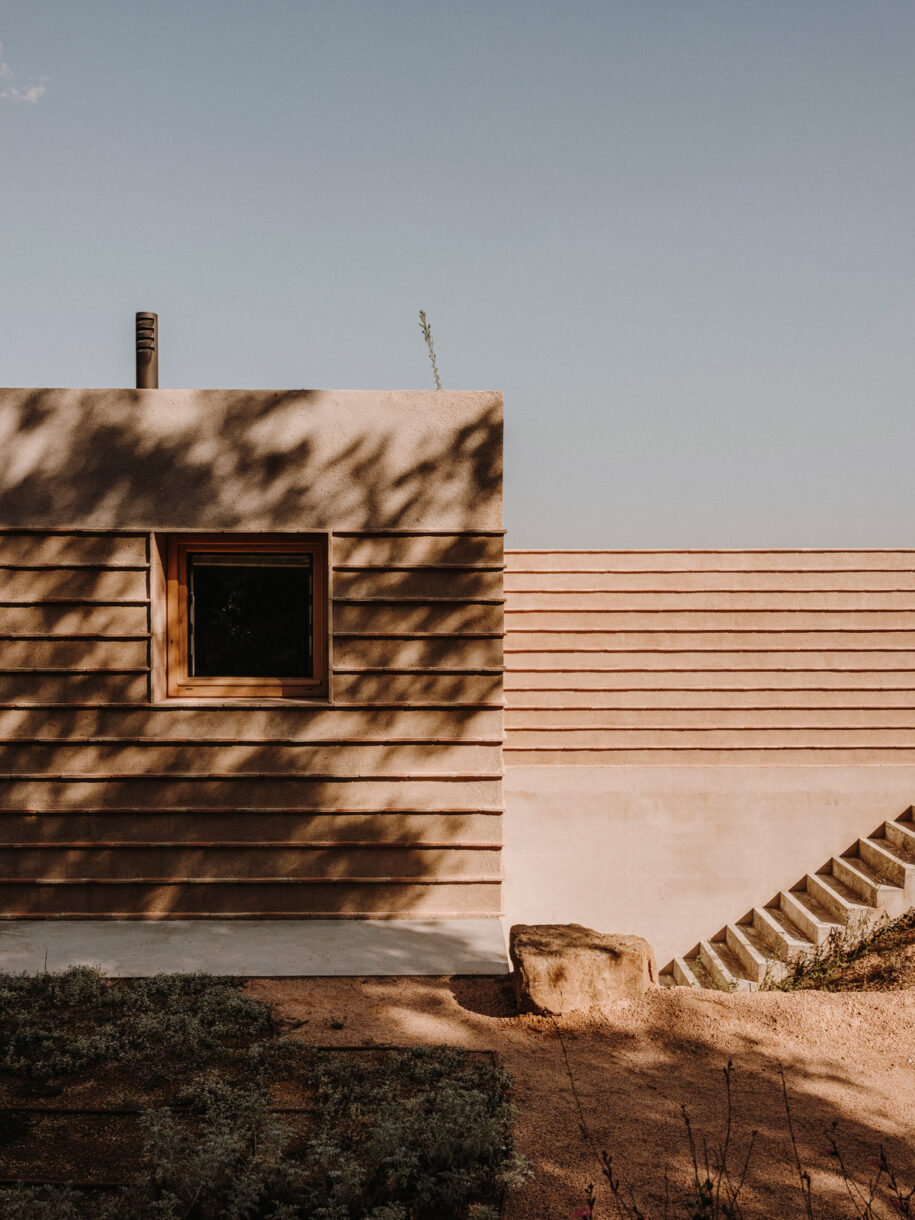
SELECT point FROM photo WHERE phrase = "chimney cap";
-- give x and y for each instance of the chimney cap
(147, 350)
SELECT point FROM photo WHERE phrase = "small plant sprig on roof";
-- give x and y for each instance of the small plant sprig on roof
(427, 335)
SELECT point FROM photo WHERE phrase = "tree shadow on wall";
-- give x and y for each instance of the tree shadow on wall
(416, 620)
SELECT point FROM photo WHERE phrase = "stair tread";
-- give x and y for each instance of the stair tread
(905, 847)
(903, 854)
(865, 870)
(703, 977)
(679, 966)
(815, 909)
(755, 938)
(790, 930)
(844, 891)
(729, 959)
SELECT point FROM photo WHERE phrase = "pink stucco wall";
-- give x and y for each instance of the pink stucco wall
(689, 731)
(381, 798)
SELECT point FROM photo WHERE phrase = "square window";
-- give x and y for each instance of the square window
(246, 615)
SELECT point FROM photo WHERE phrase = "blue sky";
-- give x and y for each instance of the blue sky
(678, 236)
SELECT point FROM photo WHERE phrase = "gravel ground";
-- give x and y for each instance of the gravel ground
(616, 1081)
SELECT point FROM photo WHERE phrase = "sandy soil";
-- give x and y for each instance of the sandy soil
(849, 1058)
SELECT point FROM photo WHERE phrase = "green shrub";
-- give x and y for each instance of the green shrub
(55, 1025)
(420, 1134)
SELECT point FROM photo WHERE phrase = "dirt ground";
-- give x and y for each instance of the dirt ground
(617, 1080)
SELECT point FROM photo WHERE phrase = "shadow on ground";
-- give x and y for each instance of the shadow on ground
(850, 1061)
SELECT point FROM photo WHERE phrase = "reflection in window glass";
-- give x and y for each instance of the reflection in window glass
(250, 615)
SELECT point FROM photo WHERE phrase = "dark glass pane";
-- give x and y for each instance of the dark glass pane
(250, 616)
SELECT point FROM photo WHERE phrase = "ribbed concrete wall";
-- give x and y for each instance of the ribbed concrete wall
(687, 732)
(384, 799)
(668, 657)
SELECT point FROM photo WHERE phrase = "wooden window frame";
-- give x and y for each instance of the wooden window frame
(180, 684)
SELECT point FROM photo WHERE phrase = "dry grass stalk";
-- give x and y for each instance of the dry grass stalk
(427, 335)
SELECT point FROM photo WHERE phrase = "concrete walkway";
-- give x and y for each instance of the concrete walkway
(256, 947)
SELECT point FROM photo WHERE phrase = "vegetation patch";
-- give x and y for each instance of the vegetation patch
(883, 959)
(177, 1096)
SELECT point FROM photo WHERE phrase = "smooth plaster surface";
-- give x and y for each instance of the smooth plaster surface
(251, 459)
(257, 947)
(672, 853)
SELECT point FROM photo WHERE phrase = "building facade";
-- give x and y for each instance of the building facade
(146, 538)
(251, 665)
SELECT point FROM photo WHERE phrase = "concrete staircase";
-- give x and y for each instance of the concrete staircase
(874, 878)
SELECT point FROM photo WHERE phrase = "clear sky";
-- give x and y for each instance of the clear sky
(679, 236)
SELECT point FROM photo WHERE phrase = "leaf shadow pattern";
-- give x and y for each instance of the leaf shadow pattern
(656, 1101)
(386, 798)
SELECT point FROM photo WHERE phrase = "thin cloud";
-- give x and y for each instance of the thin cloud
(30, 94)
(12, 93)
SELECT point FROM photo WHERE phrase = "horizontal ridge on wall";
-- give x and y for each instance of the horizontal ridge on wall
(403, 765)
(310, 811)
(418, 533)
(204, 742)
(418, 567)
(72, 567)
(665, 755)
(708, 655)
(60, 670)
(262, 881)
(251, 705)
(302, 777)
(311, 845)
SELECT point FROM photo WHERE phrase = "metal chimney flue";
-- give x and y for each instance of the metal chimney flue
(147, 351)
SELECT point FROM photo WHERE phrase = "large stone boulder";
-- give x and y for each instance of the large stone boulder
(564, 967)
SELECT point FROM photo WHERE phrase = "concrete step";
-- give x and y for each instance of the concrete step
(888, 860)
(874, 878)
(784, 938)
(697, 971)
(773, 962)
(837, 898)
(751, 932)
(810, 916)
(744, 943)
(682, 973)
(902, 835)
(865, 880)
(723, 965)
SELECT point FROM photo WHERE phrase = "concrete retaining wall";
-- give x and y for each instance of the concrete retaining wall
(688, 732)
